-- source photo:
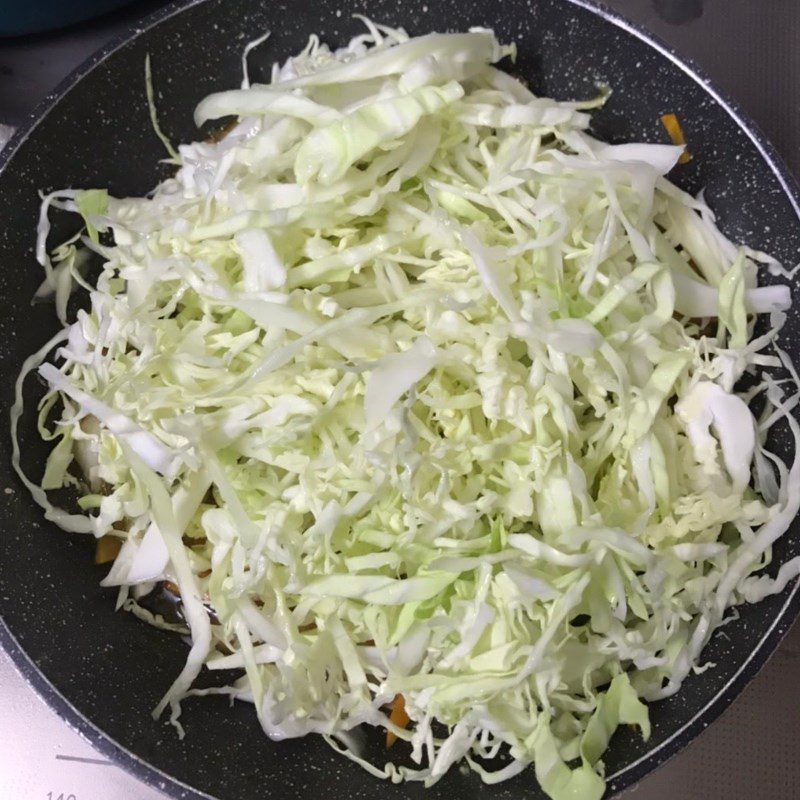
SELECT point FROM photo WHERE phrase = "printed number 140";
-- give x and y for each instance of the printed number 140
(60, 796)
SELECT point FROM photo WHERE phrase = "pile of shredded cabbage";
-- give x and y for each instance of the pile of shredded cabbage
(412, 387)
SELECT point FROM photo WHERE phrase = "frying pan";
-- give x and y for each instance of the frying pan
(102, 671)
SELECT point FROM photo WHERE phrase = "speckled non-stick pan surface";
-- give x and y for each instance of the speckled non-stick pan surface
(104, 671)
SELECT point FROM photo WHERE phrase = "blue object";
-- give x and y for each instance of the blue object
(34, 16)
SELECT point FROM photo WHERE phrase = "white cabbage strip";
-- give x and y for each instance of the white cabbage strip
(425, 392)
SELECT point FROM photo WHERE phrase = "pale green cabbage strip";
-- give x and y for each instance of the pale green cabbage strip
(424, 391)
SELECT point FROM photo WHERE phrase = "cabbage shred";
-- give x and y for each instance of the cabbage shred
(425, 392)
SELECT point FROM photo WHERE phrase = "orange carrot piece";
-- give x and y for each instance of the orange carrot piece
(107, 549)
(670, 122)
(398, 717)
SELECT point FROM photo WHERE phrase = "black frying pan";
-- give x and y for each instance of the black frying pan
(102, 671)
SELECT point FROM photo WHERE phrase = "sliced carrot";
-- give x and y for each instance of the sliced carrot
(670, 122)
(398, 717)
(107, 549)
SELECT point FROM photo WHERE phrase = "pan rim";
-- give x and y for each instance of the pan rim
(630, 773)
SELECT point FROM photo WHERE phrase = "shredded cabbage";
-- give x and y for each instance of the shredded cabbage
(424, 391)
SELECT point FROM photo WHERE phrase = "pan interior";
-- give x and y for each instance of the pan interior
(111, 668)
